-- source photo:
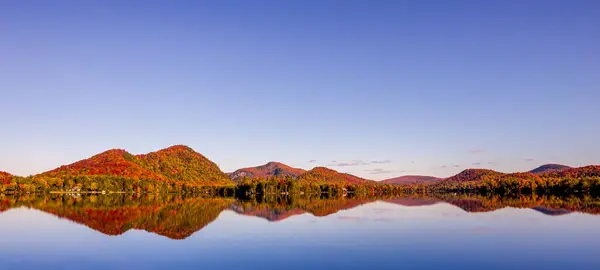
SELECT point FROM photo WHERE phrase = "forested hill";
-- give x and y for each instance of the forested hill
(548, 168)
(179, 164)
(271, 169)
(322, 175)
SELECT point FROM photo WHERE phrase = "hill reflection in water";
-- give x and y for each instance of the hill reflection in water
(178, 216)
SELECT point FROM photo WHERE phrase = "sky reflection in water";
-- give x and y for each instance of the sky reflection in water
(376, 235)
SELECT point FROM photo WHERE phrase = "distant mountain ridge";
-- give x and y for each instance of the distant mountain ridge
(267, 170)
(474, 175)
(587, 171)
(551, 170)
(548, 171)
(177, 163)
(411, 179)
(547, 168)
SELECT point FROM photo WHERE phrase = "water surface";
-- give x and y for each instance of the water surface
(125, 232)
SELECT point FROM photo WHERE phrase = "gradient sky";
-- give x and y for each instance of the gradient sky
(387, 88)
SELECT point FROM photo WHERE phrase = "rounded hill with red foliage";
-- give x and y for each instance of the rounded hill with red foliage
(328, 176)
(115, 162)
(587, 171)
(178, 163)
(475, 175)
(271, 169)
(182, 163)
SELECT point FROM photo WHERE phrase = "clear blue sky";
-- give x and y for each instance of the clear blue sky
(387, 88)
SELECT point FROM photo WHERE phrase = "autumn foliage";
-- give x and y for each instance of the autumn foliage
(181, 163)
(178, 216)
(268, 170)
(115, 162)
(176, 164)
(574, 180)
(173, 216)
(474, 175)
(321, 175)
(5, 178)
(587, 171)
(179, 169)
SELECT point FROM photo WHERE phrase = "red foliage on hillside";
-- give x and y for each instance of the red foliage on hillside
(5, 178)
(182, 163)
(328, 176)
(587, 171)
(174, 164)
(268, 170)
(474, 175)
(481, 175)
(115, 162)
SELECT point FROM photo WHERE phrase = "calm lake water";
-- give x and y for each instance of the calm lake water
(114, 232)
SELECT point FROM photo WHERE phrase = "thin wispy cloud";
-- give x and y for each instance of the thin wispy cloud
(529, 160)
(476, 151)
(406, 171)
(444, 166)
(381, 161)
(350, 163)
(312, 161)
(456, 166)
(477, 163)
(349, 218)
(378, 171)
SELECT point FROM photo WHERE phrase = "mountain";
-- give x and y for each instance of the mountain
(478, 175)
(411, 179)
(174, 164)
(184, 164)
(547, 168)
(267, 170)
(115, 162)
(325, 175)
(587, 171)
(474, 175)
(5, 177)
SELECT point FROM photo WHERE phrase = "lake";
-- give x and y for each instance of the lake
(176, 232)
